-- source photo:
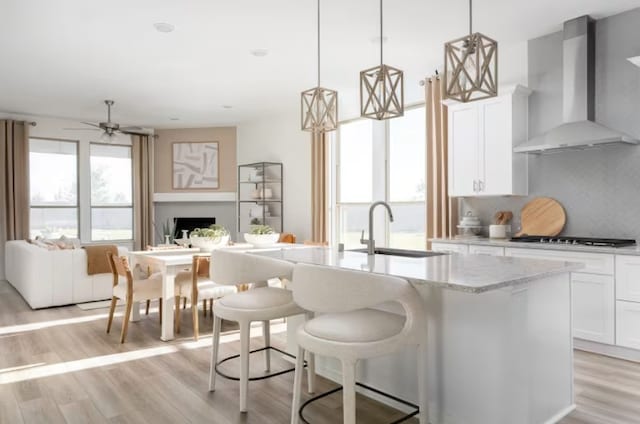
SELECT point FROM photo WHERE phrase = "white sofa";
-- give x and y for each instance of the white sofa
(54, 277)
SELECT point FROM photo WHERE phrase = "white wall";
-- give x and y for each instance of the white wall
(278, 138)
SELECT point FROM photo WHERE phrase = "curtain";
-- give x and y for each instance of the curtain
(319, 188)
(14, 180)
(142, 191)
(442, 211)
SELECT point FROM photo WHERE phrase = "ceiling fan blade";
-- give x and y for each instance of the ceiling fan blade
(132, 132)
(93, 125)
(82, 129)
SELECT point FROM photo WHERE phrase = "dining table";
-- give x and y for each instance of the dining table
(171, 261)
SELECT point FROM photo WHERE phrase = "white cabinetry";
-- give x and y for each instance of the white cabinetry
(482, 135)
(628, 324)
(628, 278)
(450, 247)
(476, 249)
(628, 301)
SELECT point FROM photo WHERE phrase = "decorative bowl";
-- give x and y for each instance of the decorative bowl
(261, 240)
(209, 243)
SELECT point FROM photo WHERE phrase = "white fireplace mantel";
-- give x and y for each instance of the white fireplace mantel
(224, 196)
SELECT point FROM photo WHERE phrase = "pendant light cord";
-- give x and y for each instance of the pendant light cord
(318, 43)
(381, 36)
(470, 17)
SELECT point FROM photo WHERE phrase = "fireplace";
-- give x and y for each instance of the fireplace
(190, 224)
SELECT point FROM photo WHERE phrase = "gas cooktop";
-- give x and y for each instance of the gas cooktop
(585, 241)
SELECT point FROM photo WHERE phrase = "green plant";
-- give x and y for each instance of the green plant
(261, 229)
(214, 231)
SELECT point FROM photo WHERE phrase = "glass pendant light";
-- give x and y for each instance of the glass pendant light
(319, 105)
(471, 66)
(381, 89)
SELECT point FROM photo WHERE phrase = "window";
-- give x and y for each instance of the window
(111, 192)
(53, 176)
(382, 161)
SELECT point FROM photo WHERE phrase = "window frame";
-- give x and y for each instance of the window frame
(78, 183)
(91, 207)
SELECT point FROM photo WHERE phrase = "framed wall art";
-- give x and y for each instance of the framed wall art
(195, 165)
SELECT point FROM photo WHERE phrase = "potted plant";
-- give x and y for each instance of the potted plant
(261, 235)
(209, 238)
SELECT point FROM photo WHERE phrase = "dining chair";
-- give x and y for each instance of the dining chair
(131, 290)
(260, 303)
(287, 238)
(194, 285)
(351, 328)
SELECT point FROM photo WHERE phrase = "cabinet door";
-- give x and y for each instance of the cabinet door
(594, 263)
(628, 278)
(628, 324)
(475, 249)
(463, 150)
(449, 247)
(495, 167)
(593, 307)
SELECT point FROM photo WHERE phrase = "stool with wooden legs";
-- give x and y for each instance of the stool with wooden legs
(256, 304)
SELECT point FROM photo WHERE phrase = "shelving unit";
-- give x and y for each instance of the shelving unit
(260, 195)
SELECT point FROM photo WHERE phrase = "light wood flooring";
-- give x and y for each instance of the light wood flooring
(58, 365)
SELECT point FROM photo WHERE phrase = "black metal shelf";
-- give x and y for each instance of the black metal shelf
(265, 176)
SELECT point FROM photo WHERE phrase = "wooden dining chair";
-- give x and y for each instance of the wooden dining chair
(132, 290)
(287, 238)
(195, 285)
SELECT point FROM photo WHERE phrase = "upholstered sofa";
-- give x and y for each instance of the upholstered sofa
(54, 277)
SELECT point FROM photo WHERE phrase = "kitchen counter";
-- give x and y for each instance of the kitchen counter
(468, 273)
(498, 329)
(628, 250)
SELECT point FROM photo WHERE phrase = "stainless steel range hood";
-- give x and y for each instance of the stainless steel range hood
(579, 130)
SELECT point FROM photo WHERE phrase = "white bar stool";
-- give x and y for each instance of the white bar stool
(257, 304)
(350, 330)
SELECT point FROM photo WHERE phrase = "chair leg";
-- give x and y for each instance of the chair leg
(349, 392)
(311, 372)
(297, 386)
(176, 324)
(184, 303)
(217, 324)
(194, 317)
(245, 328)
(146, 311)
(112, 309)
(127, 317)
(423, 401)
(204, 307)
(160, 310)
(266, 333)
(211, 307)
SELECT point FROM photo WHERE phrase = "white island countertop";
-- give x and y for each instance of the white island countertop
(468, 273)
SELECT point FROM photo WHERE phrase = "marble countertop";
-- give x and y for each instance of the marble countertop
(468, 273)
(628, 250)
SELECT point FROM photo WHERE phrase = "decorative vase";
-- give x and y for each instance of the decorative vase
(167, 239)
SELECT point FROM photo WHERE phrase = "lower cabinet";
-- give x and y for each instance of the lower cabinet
(476, 249)
(628, 324)
(450, 247)
(593, 307)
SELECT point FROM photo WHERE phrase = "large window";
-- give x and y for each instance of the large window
(111, 192)
(53, 176)
(382, 161)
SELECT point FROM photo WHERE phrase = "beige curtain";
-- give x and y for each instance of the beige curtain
(14, 180)
(142, 191)
(442, 211)
(319, 188)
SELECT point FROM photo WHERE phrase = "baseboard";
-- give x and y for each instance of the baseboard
(560, 415)
(619, 352)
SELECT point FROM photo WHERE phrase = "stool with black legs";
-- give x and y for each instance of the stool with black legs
(262, 303)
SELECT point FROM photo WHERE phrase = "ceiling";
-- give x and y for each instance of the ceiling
(63, 58)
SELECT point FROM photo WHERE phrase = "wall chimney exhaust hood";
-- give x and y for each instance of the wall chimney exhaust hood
(579, 130)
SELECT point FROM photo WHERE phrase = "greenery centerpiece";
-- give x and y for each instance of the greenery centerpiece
(209, 238)
(261, 235)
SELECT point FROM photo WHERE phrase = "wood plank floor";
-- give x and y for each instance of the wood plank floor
(59, 366)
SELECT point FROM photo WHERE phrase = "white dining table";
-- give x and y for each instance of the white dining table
(170, 262)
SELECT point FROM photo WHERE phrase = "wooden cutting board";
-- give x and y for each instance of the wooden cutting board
(543, 216)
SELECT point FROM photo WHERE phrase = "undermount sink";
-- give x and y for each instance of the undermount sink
(402, 252)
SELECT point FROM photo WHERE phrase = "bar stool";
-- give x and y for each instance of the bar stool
(350, 330)
(262, 303)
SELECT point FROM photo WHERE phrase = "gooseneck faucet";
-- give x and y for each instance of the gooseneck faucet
(371, 243)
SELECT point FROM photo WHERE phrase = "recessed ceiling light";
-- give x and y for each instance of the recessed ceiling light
(227, 107)
(163, 27)
(259, 52)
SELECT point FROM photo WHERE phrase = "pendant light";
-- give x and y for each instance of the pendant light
(381, 89)
(471, 66)
(319, 105)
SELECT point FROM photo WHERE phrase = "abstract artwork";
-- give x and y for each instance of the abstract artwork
(195, 165)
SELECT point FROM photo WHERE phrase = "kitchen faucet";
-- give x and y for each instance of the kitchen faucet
(371, 243)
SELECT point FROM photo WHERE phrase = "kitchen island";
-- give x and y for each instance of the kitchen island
(498, 331)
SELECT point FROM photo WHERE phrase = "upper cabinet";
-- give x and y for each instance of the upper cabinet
(481, 138)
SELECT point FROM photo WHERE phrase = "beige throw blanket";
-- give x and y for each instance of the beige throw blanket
(97, 262)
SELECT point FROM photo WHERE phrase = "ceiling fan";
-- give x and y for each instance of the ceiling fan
(110, 129)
